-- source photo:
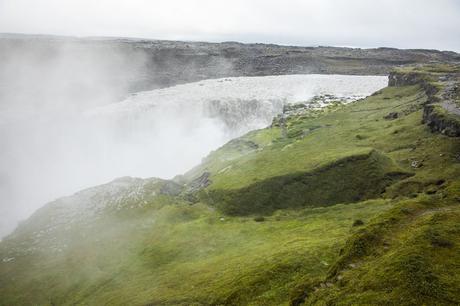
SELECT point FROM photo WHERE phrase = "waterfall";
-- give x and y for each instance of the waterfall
(158, 133)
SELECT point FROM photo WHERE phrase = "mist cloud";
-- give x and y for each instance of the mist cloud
(45, 146)
(61, 129)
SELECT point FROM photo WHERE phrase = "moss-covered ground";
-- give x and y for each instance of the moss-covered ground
(346, 206)
(185, 255)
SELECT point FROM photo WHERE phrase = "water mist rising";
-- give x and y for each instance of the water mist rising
(57, 139)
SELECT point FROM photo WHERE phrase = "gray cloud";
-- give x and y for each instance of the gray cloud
(362, 23)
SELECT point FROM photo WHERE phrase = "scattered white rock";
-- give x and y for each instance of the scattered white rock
(8, 259)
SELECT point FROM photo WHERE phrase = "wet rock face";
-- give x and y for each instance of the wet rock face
(240, 115)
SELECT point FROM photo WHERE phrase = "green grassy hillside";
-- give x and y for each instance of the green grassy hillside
(352, 205)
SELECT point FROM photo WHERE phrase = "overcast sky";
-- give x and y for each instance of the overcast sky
(361, 23)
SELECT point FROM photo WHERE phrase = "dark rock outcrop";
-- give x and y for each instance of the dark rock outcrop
(398, 79)
(171, 188)
(391, 116)
(438, 121)
(199, 183)
(440, 111)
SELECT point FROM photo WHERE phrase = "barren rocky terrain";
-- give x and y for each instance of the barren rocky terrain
(165, 63)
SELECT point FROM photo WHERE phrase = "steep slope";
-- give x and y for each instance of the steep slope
(168, 252)
(353, 177)
(355, 204)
